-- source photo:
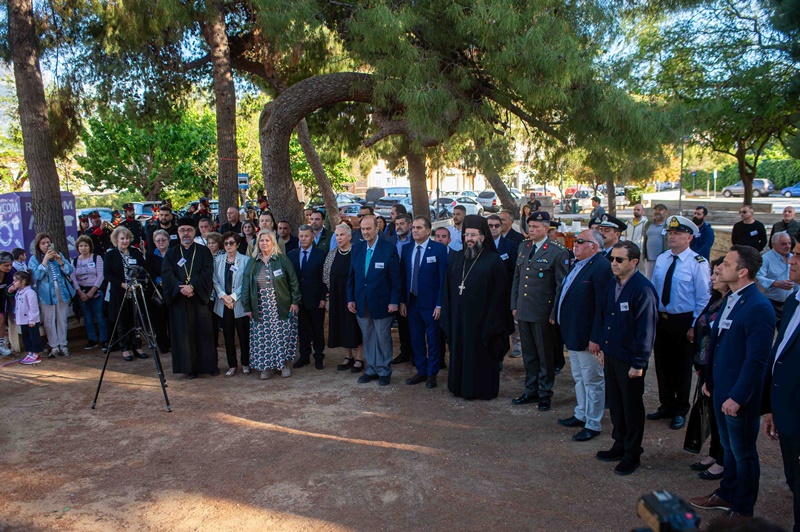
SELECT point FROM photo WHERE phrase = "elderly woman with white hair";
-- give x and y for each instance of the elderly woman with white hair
(120, 268)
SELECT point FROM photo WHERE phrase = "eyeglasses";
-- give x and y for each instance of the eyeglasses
(618, 260)
(230, 243)
(584, 241)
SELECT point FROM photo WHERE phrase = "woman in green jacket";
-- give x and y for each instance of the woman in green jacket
(271, 298)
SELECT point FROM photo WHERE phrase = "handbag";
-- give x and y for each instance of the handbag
(699, 427)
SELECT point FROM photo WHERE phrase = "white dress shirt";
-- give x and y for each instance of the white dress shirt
(691, 283)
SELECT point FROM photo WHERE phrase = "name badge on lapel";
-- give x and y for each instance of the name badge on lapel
(504, 256)
(378, 265)
(133, 261)
(90, 264)
(181, 262)
(430, 260)
(623, 307)
(725, 324)
(753, 233)
(278, 273)
(234, 268)
(173, 237)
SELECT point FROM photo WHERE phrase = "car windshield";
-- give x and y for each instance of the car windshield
(486, 194)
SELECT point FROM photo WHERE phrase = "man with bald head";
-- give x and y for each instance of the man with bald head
(773, 276)
(635, 226)
(788, 224)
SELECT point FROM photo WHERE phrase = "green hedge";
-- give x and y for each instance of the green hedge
(782, 172)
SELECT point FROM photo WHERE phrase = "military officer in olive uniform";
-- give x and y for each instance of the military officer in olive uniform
(541, 267)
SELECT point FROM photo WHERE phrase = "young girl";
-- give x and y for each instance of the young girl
(27, 314)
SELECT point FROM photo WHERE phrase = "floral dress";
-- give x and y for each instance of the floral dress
(273, 341)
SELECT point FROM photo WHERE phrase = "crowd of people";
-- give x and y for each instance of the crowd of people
(623, 292)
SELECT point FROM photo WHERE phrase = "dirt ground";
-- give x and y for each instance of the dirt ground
(317, 451)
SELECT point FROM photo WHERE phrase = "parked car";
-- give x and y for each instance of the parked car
(761, 187)
(373, 195)
(792, 191)
(468, 193)
(383, 207)
(183, 211)
(490, 202)
(105, 213)
(349, 211)
(449, 203)
(352, 197)
(143, 210)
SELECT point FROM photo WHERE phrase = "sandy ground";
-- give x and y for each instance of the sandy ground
(316, 452)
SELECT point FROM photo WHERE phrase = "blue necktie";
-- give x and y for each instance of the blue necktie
(415, 273)
(304, 260)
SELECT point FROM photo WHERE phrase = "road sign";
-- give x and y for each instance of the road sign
(244, 181)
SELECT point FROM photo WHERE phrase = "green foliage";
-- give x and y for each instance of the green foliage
(301, 171)
(134, 154)
(782, 172)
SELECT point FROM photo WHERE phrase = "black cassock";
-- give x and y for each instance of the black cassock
(191, 331)
(476, 324)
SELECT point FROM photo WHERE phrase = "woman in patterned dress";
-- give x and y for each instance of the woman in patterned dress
(271, 299)
(343, 329)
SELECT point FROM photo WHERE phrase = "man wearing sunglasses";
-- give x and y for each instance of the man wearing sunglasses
(682, 279)
(581, 296)
(749, 232)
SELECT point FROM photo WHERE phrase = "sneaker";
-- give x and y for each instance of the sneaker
(30, 359)
(266, 374)
(63, 351)
(710, 502)
(90, 345)
(53, 353)
(4, 350)
(286, 372)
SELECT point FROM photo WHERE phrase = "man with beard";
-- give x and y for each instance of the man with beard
(654, 241)
(541, 268)
(165, 222)
(187, 273)
(705, 239)
(459, 212)
(474, 315)
(323, 238)
(100, 235)
(401, 237)
(133, 225)
(285, 238)
(635, 227)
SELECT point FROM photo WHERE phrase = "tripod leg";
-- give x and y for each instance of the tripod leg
(149, 334)
(108, 354)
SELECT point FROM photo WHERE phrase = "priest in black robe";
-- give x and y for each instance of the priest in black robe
(475, 316)
(187, 279)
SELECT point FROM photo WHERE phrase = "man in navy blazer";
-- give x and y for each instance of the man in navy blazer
(308, 261)
(505, 247)
(782, 419)
(373, 295)
(580, 301)
(400, 238)
(509, 233)
(422, 276)
(739, 347)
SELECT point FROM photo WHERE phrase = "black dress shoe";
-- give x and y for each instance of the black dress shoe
(678, 422)
(442, 365)
(416, 379)
(586, 435)
(430, 382)
(300, 363)
(344, 366)
(571, 422)
(524, 399)
(700, 466)
(385, 380)
(318, 364)
(544, 404)
(705, 475)
(615, 454)
(367, 378)
(556, 371)
(626, 467)
(139, 354)
(658, 414)
(358, 366)
(399, 359)
(128, 358)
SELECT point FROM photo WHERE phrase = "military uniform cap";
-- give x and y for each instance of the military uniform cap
(682, 224)
(539, 216)
(606, 220)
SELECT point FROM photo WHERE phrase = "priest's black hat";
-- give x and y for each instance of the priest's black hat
(473, 221)
(187, 221)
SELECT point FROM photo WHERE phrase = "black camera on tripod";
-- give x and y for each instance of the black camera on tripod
(664, 512)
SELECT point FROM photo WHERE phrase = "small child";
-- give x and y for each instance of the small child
(20, 260)
(27, 314)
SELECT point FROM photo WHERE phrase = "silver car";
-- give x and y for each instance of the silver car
(383, 207)
(491, 203)
(761, 187)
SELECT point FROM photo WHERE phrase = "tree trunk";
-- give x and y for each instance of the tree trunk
(37, 146)
(281, 116)
(745, 173)
(500, 188)
(215, 34)
(324, 184)
(418, 179)
(611, 194)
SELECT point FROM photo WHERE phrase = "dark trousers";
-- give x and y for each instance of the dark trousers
(778, 306)
(31, 338)
(160, 320)
(403, 332)
(232, 326)
(214, 323)
(738, 435)
(124, 335)
(424, 332)
(626, 405)
(537, 353)
(715, 449)
(442, 349)
(558, 349)
(674, 356)
(311, 329)
(790, 452)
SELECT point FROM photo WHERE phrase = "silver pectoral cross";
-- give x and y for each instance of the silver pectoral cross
(461, 288)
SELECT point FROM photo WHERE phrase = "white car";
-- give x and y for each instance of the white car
(449, 203)
(383, 207)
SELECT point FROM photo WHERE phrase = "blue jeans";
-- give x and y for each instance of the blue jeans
(93, 315)
(738, 436)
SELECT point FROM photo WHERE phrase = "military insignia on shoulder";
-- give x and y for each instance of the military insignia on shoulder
(558, 244)
(699, 258)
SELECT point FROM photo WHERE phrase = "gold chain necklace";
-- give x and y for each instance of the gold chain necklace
(464, 276)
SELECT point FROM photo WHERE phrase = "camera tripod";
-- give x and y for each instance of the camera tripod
(142, 328)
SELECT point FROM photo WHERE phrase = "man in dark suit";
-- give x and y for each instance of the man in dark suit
(782, 419)
(422, 275)
(509, 233)
(308, 262)
(625, 336)
(401, 237)
(442, 236)
(580, 301)
(373, 295)
(322, 236)
(739, 348)
(505, 248)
